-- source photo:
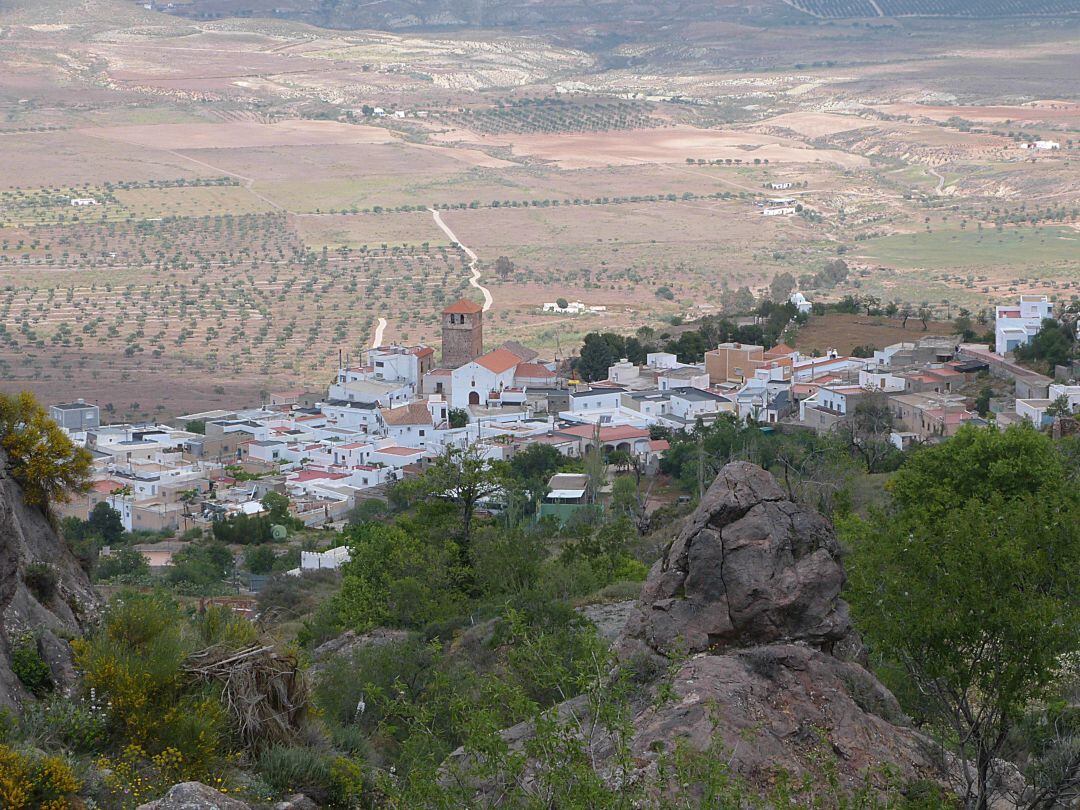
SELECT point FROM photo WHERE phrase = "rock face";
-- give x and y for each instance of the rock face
(26, 539)
(194, 796)
(749, 567)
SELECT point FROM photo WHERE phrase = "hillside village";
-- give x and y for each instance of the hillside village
(386, 418)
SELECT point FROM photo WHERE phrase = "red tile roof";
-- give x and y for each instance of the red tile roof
(399, 451)
(463, 307)
(607, 434)
(779, 350)
(422, 351)
(313, 475)
(415, 413)
(499, 360)
(534, 371)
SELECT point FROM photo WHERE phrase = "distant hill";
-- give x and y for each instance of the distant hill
(971, 9)
(404, 14)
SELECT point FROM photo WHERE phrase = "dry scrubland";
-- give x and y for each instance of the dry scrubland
(252, 221)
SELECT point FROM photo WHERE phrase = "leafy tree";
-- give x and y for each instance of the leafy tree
(458, 417)
(277, 509)
(781, 287)
(1053, 345)
(43, 460)
(106, 523)
(244, 529)
(195, 426)
(124, 565)
(503, 267)
(969, 583)
(596, 358)
(1013, 462)
(395, 578)
(260, 559)
(201, 564)
(982, 401)
(744, 299)
(463, 477)
(1059, 407)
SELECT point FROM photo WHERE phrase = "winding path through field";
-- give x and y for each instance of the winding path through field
(473, 264)
(940, 179)
(380, 327)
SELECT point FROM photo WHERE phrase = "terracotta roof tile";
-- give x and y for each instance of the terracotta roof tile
(499, 360)
(463, 307)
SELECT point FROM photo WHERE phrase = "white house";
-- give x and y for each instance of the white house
(1041, 145)
(1016, 325)
(778, 211)
(79, 202)
(595, 399)
(800, 302)
(348, 388)
(472, 383)
(401, 364)
(691, 403)
(410, 425)
(1035, 409)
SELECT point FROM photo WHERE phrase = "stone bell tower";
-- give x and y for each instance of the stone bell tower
(462, 333)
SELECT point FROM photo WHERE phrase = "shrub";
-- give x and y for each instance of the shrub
(133, 777)
(41, 580)
(332, 781)
(259, 559)
(80, 726)
(135, 662)
(43, 460)
(28, 665)
(285, 597)
(35, 782)
(289, 769)
(125, 566)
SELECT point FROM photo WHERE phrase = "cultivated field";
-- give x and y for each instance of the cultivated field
(253, 214)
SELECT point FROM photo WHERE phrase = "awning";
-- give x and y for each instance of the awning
(565, 494)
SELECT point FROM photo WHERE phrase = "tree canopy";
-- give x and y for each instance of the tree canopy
(43, 460)
(969, 583)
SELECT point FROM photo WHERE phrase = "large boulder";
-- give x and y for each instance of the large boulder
(749, 567)
(194, 796)
(29, 542)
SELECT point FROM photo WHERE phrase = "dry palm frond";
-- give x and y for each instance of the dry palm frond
(264, 691)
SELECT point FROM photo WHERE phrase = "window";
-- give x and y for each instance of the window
(422, 432)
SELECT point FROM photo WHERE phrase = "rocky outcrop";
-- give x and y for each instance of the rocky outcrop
(747, 598)
(56, 603)
(745, 648)
(194, 796)
(749, 567)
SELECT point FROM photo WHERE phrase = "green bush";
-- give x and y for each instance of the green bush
(124, 566)
(326, 778)
(28, 665)
(80, 726)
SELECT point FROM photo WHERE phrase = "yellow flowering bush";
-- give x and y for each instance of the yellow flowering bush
(35, 782)
(133, 777)
(135, 664)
